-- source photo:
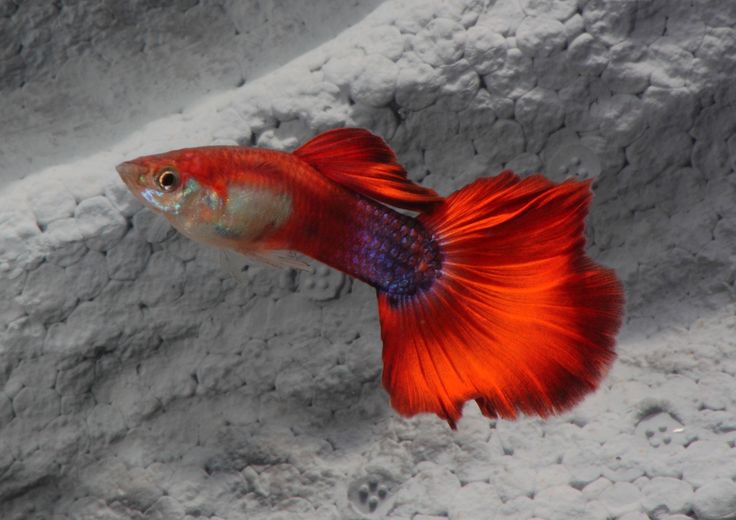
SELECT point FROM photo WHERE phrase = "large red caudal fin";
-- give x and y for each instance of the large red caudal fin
(520, 319)
(364, 163)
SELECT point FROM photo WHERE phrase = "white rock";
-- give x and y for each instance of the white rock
(621, 498)
(519, 507)
(513, 481)
(163, 279)
(375, 84)
(551, 476)
(665, 107)
(100, 224)
(441, 42)
(564, 502)
(417, 85)
(51, 202)
(595, 488)
(503, 142)
(123, 200)
(165, 508)
(687, 29)
(438, 487)
(558, 9)
(461, 83)
(716, 500)
(674, 64)
(485, 49)
(666, 495)
(525, 164)
(626, 73)
(6, 410)
(539, 37)
(621, 118)
(63, 242)
(709, 460)
(512, 80)
(610, 25)
(154, 227)
(87, 277)
(587, 55)
(385, 40)
(45, 295)
(540, 114)
(634, 516)
(126, 259)
(36, 402)
(554, 72)
(474, 500)
(343, 68)
(574, 26)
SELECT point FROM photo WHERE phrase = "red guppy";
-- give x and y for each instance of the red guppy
(486, 294)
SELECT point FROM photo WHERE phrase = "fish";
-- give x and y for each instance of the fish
(486, 294)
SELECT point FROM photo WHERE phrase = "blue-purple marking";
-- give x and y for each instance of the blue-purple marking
(393, 252)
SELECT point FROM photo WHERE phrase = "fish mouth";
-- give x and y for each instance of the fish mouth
(131, 172)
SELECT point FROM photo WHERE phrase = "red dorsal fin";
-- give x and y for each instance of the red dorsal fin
(364, 163)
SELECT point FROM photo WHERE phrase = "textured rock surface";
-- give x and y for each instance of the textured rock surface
(140, 380)
(69, 69)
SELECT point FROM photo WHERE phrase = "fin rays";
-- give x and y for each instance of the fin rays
(519, 320)
(364, 163)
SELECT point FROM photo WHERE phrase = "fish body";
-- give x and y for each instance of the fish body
(486, 294)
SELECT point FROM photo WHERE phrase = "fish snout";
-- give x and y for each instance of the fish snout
(131, 171)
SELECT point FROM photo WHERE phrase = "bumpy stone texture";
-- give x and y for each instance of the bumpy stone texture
(74, 65)
(142, 378)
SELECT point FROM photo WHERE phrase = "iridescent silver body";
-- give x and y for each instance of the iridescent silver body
(235, 219)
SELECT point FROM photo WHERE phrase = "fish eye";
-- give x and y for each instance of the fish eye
(167, 179)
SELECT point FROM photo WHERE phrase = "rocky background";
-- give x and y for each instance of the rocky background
(140, 380)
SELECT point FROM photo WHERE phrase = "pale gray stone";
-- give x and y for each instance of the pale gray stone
(587, 55)
(715, 500)
(100, 224)
(126, 259)
(574, 26)
(417, 84)
(540, 114)
(441, 42)
(636, 516)
(123, 200)
(621, 498)
(503, 142)
(540, 36)
(558, 9)
(474, 500)
(512, 80)
(154, 227)
(710, 460)
(610, 22)
(666, 495)
(375, 84)
(63, 242)
(485, 49)
(52, 201)
(87, 277)
(563, 502)
(387, 41)
(46, 294)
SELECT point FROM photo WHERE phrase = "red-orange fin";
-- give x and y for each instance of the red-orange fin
(520, 319)
(364, 163)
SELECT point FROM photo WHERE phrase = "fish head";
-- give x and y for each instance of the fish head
(162, 182)
(207, 195)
